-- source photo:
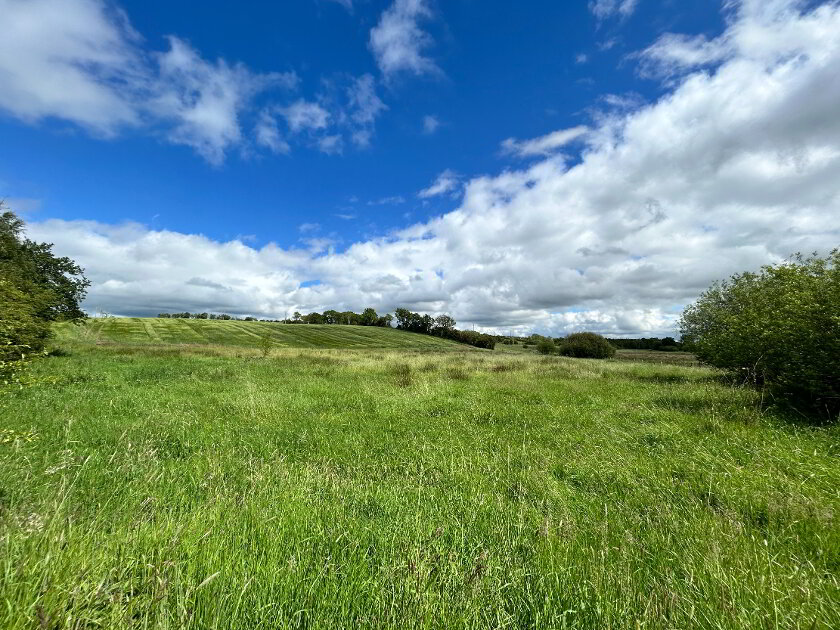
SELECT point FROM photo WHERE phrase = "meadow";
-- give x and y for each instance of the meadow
(376, 478)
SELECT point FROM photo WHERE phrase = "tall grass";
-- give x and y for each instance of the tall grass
(212, 488)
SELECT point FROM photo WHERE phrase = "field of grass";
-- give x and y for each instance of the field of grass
(154, 486)
(166, 332)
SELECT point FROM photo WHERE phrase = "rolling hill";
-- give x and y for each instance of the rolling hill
(155, 331)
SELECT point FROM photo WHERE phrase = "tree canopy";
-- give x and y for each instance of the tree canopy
(779, 327)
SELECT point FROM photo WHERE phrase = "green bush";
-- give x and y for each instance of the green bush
(587, 345)
(779, 327)
(22, 333)
(546, 347)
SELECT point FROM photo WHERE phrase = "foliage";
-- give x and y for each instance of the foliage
(665, 344)
(22, 332)
(779, 327)
(36, 288)
(587, 345)
(442, 326)
(546, 346)
(55, 284)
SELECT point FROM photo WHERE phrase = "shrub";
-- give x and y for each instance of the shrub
(587, 345)
(779, 327)
(546, 346)
(22, 332)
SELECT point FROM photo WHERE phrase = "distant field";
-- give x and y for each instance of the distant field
(657, 356)
(160, 331)
(200, 485)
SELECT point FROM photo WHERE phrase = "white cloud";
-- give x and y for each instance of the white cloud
(581, 58)
(447, 182)
(364, 106)
(331, 145)
(387, 201)
(61, 58)
(204, 100)
(397, 41)
(80, 61)
(735, 166)
(544, 145)
(603, 9)
(268, 135)
(364, 103)
(303, 115)
(430, 124)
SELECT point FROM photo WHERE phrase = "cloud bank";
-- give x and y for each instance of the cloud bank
(737, 165)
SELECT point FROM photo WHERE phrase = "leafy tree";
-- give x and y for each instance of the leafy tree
(369, 317)
(587, 345)
(779, 327)
(22, 332)
(444, 322)
(403, 316)
(546, 346)
(36, 288)
(331, 317)
(55, 284)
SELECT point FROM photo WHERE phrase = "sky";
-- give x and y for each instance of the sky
(525, 167)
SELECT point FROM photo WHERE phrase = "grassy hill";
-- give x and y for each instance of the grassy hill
(154, 331)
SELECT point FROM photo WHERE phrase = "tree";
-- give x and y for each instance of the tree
(36, 288)
(22, 332)
(587, 345)
(331, 317)
(779, 327)
(55, 284)
(403, 316)
(369, 317)
(444, 322)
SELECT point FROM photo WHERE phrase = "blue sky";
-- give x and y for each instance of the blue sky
(502, 71)
(314, 136)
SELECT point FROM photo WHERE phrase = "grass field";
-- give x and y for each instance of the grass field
(166, 332)
(145, 485)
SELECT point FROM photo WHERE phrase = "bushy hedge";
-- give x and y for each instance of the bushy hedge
(546, 346)
(587, 345)
(779, 327)
(470, 337)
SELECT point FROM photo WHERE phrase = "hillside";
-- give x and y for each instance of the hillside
(142, 331)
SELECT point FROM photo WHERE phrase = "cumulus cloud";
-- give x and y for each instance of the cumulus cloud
(447, 182)
(736, 165)
(544, 145)
(397, 41)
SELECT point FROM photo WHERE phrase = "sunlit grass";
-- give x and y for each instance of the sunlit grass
(206, 486)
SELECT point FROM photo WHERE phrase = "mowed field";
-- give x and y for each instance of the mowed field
(161, 331)
(154, 485)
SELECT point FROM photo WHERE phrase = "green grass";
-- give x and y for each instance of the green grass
(168, 332)
(206, 487)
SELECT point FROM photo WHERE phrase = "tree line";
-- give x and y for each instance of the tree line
(441, 326)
